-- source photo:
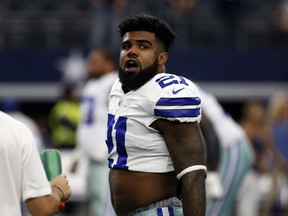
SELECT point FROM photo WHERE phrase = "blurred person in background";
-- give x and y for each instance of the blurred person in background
(258, 183)
(92, 129)
(280, 27)
(278, 120)
(254, 123)
(281, 15)
(63, 119)
(233, 160)
(23, 175)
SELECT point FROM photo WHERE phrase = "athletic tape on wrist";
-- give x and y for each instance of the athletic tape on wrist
(191, 169)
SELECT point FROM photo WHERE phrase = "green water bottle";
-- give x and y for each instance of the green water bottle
(51, 160)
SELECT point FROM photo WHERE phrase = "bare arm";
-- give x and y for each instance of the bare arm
(186, 146)
(49, 204)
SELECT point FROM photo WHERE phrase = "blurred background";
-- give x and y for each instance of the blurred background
(236, 49)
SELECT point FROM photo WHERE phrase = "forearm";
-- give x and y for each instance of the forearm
(193, 193)
(46, 205)
(186, 146)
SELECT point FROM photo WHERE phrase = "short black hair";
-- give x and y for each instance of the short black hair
(149, 23)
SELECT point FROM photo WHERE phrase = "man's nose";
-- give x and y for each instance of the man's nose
(132, 51)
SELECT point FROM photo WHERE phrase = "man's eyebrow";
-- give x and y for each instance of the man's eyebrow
(125, 42)
(143, 41)
(137, 41)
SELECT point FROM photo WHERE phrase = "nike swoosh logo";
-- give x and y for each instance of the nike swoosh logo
(177, 91)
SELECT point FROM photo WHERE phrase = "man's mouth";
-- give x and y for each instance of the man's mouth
(131, 66)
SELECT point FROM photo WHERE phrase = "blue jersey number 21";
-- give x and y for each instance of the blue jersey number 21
(168, 80)
(120, 128)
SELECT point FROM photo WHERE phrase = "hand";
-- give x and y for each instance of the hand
(214, 187)
(62, 182)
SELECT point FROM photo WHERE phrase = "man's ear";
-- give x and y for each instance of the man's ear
(162, 58)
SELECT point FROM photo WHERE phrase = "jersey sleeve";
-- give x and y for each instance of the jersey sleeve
(35, 182)
(179, 99)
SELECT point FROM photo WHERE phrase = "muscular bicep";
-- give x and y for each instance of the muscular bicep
(184, 141)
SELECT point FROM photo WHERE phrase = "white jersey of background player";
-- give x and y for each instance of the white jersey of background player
(132, 143)
(92, 128)
(221, 120)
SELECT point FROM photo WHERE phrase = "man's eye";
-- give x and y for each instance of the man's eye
(125, 46)
(142, 46)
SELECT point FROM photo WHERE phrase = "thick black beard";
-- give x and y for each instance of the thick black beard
(135, 81)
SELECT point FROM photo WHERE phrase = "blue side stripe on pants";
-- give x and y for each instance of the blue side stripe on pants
(160, 211)
(171, 212)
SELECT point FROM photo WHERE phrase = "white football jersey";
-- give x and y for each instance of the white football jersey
(132, 143)
(93, 117)
(227, 129)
